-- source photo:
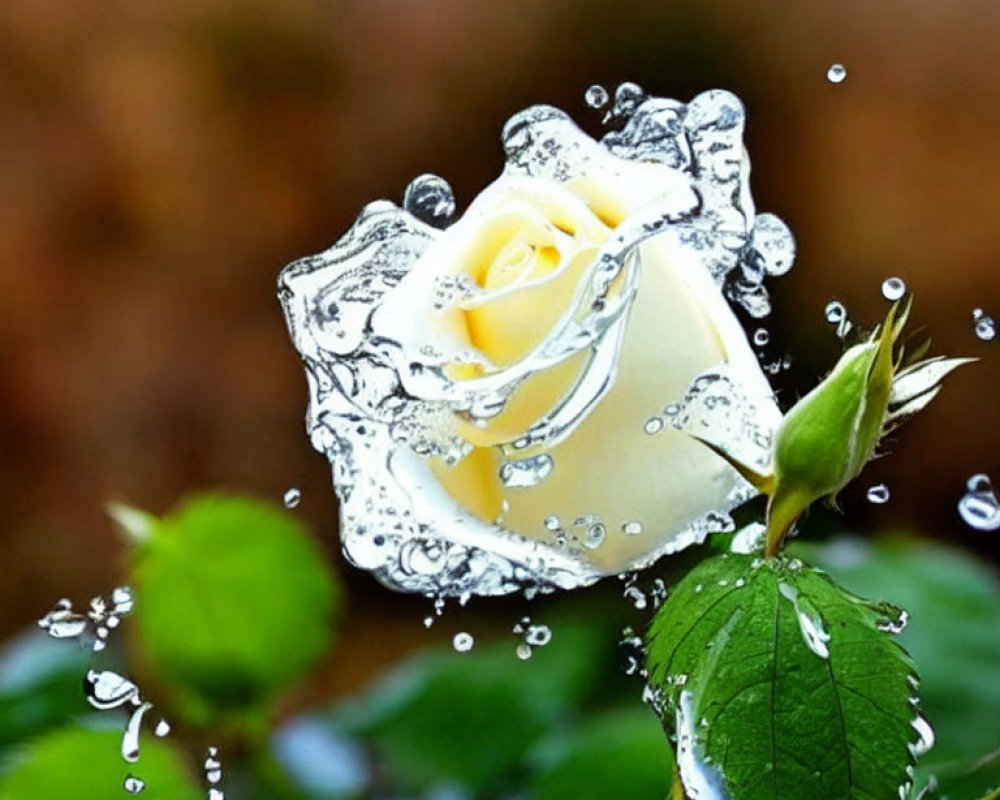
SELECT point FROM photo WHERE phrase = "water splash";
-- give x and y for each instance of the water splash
(107, 690)
(836, 73)
(388, 411)
(700, 779)
(979, 507)
(130, 739)
(93, 626)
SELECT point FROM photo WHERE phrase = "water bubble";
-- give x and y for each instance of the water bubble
(552, 523)
(628, 97)
(134, 785)
(523, 651)
(985, 327)
(979, 507)
(430, 199)
(893, 288)
(653, 425)
(596, 96)
(292, 497)
(594, 536)
(878, 494)
(162, 728)
(836, 73)
(761, 337)
(632, 528)
(538, 635)
(463, 642)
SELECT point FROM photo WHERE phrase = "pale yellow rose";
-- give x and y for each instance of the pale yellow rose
(527, 246)
(492, 396)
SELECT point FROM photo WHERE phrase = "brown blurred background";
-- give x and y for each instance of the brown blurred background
(160, 161)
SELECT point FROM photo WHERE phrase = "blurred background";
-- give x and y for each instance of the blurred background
(161, 161)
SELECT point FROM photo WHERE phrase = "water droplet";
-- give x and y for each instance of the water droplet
(523, 651)
(761, 337)
(106, 690)
(292, 497)
(810, 622)
(552, 523)
(62, 623)
(836, 73)
(430, 199)
(216, 794)
(596, 96)
(628, 97)
(636, 596)
(979, 507)
(984, 326)
(594, 536)
(162, 728)
(130, 739)
(538, 635)
(925, 740)
(878, 494)
(463, 642)
(122, 600)
(212, 766)
(653, 425)
(893, 288)
(525, 472)
(632, 528)
(134, 785)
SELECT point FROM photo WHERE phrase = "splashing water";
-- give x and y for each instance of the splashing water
(92, 627)
(984, 325)
(836, 73)
(701, 781)
(979, 507)
(389, 414)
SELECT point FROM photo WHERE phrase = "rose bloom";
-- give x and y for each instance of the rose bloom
(533, 341)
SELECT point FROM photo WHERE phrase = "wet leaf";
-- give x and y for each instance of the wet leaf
(953, 635)
(85, 764)
(780, 684)
(39, 685)
(234, 602)
(618, 754)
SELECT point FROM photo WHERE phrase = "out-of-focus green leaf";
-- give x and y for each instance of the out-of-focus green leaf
(234, 601)
(953, 636)
(470, 718)
(780, 685)
(80, 764)
(619, 754)
(39, 685)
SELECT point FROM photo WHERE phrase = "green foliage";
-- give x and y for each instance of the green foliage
(619, 754)
(471, 718)
(954, 637)
(781, 684)
(235, 602)
(81, 764)
(39, 686)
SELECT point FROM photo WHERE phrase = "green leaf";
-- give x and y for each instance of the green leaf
(618, 754)
(86, 764)
(235, 602)
(953, 635)
(471, 718)
(779, 684)
(39, 685)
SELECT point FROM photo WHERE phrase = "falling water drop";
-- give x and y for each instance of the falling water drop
(524, 651)
(107, 690)
(463, 642)
(878, 494)
(836, 73)
(632, 528)
(893, 288)
(979, 507)
(628, 96)
(596, 96)
(430, 199)
(130, 739)
(538, 635)
(985, 327)
(653, 425)
(162, 728)
(134, 785)
(292, 497)
(761, 337)
(836, 314)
